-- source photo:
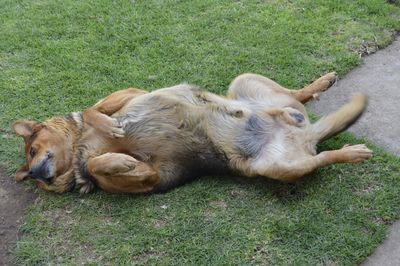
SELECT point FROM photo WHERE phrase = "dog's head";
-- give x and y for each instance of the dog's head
(49, 153)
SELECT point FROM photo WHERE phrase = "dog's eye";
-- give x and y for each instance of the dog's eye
(32, 152)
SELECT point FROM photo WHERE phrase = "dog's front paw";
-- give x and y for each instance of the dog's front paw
(355, 153)
(110, 127)
(86, 188)
(84, 185)
(112, 164)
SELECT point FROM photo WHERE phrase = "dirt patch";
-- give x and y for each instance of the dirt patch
(14, 199)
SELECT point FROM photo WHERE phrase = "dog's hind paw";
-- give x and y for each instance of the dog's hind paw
(332, 78)
(355, 153)
(325, 82)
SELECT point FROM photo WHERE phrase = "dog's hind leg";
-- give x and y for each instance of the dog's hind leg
(312, 91)
(121, 173)
(294, 170)
(256, 87)
(253, 87)
(263, 93)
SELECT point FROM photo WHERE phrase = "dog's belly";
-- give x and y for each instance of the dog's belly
(165, 133)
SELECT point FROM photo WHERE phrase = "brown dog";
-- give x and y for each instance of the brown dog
(134, 141)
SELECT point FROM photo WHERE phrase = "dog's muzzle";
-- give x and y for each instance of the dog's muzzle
(42, 171)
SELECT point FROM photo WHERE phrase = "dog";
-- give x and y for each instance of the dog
(135, 141)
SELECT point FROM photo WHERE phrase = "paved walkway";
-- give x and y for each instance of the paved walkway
(379, 78)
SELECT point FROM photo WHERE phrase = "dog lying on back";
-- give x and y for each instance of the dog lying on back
(134, 141)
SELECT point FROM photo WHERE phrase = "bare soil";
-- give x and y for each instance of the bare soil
(14, 200)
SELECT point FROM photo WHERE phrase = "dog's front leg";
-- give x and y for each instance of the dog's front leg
(121, 173)
(99, 118)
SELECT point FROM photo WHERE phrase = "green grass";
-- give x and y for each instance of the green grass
(62, 56)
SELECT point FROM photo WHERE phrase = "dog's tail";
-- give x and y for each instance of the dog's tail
(340, 120)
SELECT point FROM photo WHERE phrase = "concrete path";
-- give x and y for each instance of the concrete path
(379, 78)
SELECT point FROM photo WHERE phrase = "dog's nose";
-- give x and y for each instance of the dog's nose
(36, 172)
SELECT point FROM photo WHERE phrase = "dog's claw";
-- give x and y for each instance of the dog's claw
(333, 78)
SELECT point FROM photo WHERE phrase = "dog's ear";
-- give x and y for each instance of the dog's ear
(22, 173)
(24, 128)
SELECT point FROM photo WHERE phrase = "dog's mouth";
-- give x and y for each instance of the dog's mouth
(57, 183)
(44, 180)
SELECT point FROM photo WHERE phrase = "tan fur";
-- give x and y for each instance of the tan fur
(134, 141)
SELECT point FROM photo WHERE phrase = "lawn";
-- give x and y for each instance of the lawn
(62, 56)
